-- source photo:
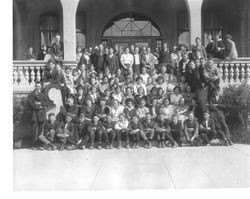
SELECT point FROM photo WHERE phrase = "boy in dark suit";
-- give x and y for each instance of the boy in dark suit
(66, 133)
(48, 134)
(191, 129)
(176, 129)
(108, 131)
(81, 135)
(38, 103)
(147, 130)
(95, 127)
(162, 131)
(134, 131)
(207, 129)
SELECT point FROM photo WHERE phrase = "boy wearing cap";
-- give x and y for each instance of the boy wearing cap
(207, 129)
(48, 134)
(95, 128)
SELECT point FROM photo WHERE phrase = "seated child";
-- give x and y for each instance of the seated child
(176, 129)
(48, 134)
(191, 129)
(162, 131)
(121, 127)
(81, 128)
(134, 131)
(207, 129)
(142, 110)
(95, 128)
(147, 126)
(129, 109)
(65, 134)
(108, 131)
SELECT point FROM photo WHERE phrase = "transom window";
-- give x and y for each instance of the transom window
(130, 27)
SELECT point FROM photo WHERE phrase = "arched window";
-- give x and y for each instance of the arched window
(131, 27)
(49, 26)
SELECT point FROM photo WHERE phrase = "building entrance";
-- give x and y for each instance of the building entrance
(137, 30)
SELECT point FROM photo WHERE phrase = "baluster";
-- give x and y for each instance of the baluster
(230, 73)
(226, 73)
(32, 76)
(220, 66)
(248, 74)
(38, 76)
(15, 76)
(27, 75)
(21, 76)
(242, 73)
(236, 72)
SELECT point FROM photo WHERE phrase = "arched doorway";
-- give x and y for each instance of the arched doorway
(131, 29)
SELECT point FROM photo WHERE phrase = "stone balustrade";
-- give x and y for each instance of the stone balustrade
(26, 73)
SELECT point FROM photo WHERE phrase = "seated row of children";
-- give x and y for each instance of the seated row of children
(129, 124)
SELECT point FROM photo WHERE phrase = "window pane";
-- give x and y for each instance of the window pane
(80, 40)
(147, 30)
(183, 38)
(131, 33)
(107, 33)
(116, 31)
(155, 32)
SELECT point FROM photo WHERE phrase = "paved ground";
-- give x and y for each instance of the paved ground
(186, 167)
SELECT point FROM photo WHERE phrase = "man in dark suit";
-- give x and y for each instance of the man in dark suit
(38, 103)
(51, 74)
(99, 59)
(70, 109)
(164, 56)
(57, 48)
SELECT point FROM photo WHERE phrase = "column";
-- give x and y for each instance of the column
(69, 8)
(195, 19)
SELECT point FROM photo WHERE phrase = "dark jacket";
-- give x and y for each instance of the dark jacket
(164, 57)
(48, 126)
(210, 125)
(53, 76)
(88, 111)
(112, 63)
(38, 104)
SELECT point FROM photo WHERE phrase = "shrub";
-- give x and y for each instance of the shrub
(237, 98)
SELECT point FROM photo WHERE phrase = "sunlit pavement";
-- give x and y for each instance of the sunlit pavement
(183, 167)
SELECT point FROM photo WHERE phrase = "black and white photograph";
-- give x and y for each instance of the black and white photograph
(129, 95)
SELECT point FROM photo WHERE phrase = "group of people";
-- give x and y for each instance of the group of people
(134, 95)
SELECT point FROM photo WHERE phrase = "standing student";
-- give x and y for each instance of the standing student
(38, 103)
(57, 48)
(162, 131)
(121, 128)
(137, 61)
(127, 61)
(134, 131)
(147, 130)
(48, 134)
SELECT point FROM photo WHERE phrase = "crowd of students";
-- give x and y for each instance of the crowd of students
(134, 95)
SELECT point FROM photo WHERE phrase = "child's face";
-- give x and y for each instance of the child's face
(174, 119)
(149, 80)
(166, 102)
(130, 104)
(121, 118)
(161, 118)
(135, 120)
(206, 116)
(68, 119)
(75, 73)
(80, 91)
(100, 75)
(105, 80)
(52, 118)
(67, 71)
(143, 103)
(182, 101)
(144, 70)
(154, 102)
(88, 102)
(183, 79)
(95, 120)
